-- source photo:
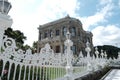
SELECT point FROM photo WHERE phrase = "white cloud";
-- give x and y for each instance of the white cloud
(99, 16)
(27, 16)
(101, 34)
(119, 3)
(104, 2)
(53, 9)
(106, 35)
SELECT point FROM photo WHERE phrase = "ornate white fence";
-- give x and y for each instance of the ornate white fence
(16, 64)
(23, 65)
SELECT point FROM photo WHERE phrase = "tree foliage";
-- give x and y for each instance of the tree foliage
(19, 38)
(17, 35)
(111, 51)
(34, 46)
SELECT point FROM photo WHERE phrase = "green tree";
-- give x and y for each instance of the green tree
(17, 35)
(25, 47)
(111, 51)
(34, 46)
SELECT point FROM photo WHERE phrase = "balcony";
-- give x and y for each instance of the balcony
(56, 38)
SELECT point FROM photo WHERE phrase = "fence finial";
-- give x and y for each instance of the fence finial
(69, 69)
(68, 35)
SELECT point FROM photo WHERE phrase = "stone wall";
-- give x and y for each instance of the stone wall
(54, 34)
(97, 75)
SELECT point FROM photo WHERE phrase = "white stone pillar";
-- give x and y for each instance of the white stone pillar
(5, 22)
(89, 65)
(69, 68)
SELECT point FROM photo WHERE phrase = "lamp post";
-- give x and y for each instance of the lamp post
(5, 20)
(68, 43)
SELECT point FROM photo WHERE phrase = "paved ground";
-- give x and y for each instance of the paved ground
(113, 75)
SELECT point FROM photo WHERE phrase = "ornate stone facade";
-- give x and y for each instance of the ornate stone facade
(54, 33)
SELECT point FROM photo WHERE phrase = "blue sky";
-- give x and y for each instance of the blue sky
(101, 17)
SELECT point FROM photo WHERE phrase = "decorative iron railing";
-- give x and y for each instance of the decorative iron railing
(16, 64)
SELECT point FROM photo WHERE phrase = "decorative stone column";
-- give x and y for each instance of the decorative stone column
(97, 59)
(87, 49)
(69, 69)
(5, 20)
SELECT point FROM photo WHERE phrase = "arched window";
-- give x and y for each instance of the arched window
(73, 31)
(88, 39)
(40, 36)
(78, 31)
(64, 31)
(51, 33)
(74, 49)
(57, 32)
(58, 49)
(46, 34)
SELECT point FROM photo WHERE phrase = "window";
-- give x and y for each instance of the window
(51, 47)
(88, 39)
(39, 49)
(64, 31)
(51, 33)
(73, 31)
(40, 36)
(57, 49)
(74, 49)
(45, 35)
(57, 32)
(78, 31)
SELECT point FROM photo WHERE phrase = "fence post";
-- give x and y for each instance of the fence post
(69, 69)
(5, 20)
(89, 65)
